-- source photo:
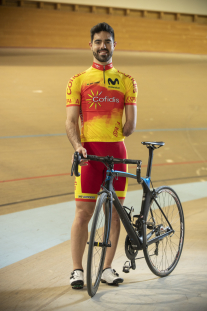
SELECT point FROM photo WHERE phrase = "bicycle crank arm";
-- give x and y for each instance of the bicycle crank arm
(159, 238)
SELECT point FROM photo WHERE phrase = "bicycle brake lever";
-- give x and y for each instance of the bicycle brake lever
(76, 161)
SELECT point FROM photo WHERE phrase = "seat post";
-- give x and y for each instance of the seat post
(149, 166)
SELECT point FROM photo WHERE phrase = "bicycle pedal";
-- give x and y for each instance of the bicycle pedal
(126, 267)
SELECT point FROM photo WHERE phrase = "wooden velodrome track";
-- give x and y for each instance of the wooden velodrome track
(35, 178)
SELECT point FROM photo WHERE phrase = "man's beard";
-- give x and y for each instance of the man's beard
(102, 58)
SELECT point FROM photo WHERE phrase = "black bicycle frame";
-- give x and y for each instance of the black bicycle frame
(138, 243)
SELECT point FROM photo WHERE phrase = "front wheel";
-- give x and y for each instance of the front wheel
(165, 226)
(98, 243)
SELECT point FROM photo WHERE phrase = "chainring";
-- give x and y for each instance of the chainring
(130, 252)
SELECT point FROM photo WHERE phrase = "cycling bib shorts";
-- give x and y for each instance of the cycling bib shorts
(88, 184)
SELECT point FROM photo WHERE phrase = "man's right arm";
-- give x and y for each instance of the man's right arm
(72, 129)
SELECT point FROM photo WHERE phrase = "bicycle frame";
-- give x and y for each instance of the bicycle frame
(138, 243)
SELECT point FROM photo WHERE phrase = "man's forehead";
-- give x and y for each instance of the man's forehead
(103, 35)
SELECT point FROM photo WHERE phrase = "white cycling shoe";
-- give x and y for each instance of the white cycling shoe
(111, 277)
(77, 279)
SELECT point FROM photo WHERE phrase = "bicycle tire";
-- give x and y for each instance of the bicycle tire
(163, 256)
(99, 234)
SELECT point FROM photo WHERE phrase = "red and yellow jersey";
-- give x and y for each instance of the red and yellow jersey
(101, 92)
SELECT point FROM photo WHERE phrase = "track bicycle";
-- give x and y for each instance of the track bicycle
(158, 230)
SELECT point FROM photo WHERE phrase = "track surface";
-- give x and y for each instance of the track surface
(35, 167)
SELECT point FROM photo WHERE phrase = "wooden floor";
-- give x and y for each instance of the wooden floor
(35, 172)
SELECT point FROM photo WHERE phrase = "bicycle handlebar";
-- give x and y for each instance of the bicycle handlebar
(106, 160)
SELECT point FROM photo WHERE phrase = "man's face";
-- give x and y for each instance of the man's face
(103, 46)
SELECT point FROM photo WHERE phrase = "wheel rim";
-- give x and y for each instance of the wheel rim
(98, 251)
(164, 255)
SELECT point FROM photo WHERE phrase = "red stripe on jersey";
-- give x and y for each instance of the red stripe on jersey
(101, 67)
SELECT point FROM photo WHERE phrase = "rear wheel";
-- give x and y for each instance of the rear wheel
(99, 239)
(163, 255)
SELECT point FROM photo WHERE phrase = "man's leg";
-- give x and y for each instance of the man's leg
(79, 231)
(114, 237)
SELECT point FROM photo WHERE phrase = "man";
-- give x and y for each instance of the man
(98, 96)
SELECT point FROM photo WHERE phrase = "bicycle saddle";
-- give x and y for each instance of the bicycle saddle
(153, 144)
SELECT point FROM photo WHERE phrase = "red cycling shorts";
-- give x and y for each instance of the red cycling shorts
(88, 184)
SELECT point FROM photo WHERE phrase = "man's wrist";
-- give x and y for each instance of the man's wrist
(78, 147)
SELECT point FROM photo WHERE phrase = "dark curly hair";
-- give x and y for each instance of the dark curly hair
(101, 27)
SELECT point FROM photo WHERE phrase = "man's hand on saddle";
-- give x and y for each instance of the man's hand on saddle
(83, 151)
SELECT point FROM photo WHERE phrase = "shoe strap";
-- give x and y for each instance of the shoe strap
(114, 272)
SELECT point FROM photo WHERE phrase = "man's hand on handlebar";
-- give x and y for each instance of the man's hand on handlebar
(83, 151)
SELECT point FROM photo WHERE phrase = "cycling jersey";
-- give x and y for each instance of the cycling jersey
(101, 92)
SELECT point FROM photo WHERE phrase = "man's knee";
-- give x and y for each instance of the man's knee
(84, 212)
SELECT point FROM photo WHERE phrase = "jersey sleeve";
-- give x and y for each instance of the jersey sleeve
(131, 92)
(73, 92)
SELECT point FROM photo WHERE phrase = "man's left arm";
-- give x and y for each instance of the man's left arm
(130, 103)
(131, 119)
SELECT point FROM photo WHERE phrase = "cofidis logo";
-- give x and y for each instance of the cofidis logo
(97, 99)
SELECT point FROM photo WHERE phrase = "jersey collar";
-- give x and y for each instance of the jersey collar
(101, 67)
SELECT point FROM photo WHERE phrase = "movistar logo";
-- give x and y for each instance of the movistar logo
(110, 81)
